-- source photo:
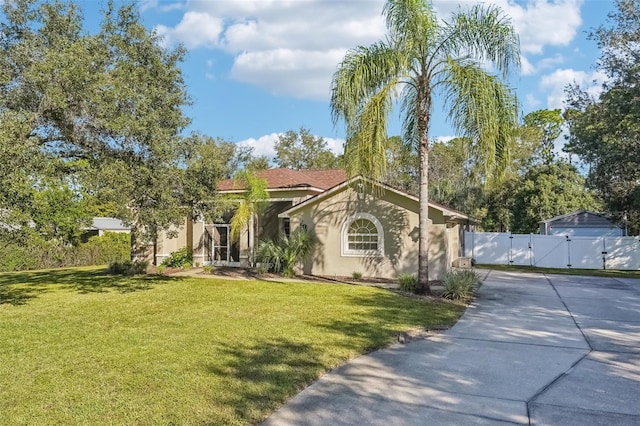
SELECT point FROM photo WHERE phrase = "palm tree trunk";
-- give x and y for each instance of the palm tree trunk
(252, 237)
(423, 218)
(424, 116)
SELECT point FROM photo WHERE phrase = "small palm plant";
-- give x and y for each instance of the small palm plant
(459, 284)
(288, 251)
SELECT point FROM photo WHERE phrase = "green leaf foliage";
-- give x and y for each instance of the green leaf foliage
(301, 150)
(35, 252)
(459, 284)
(99, 113)
(179, 258)
(546, 125)
(547, 191)
(206, 161)
(287, 252)
(249, 202)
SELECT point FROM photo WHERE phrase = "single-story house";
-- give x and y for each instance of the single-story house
(581, 223)
(361, 225)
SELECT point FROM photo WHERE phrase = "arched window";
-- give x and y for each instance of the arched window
(362, 235)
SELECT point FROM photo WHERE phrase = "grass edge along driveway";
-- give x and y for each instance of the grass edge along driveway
(611, 273)
(80, 346)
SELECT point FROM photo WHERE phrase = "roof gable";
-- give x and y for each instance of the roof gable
(282, 178)
(108, 224)
(344, 185)
(580, 218)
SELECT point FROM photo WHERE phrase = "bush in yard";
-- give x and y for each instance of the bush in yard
(17, 257)
(287, 252)
(128, 268)
(179, 259)
(356, 275)
(408, 282)
(459, 284)
(108, 248)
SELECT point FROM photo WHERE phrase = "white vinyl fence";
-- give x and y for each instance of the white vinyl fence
(551, 251)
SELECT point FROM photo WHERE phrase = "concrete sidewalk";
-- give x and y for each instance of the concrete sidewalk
(532, 349)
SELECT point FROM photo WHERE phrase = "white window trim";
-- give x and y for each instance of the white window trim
(344, 246)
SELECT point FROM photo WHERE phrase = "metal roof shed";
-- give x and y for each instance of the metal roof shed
(581, 223)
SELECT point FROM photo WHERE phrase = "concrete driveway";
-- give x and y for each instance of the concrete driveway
(532, 349)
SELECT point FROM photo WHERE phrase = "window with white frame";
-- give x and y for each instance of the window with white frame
(362, 235)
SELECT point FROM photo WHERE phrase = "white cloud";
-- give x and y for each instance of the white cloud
(210, 75)
(549, 62)
(544, 23)
(539, 24)
(532, 101)
(196, 29)
(264, 145)
(556, 82)
(145, 5)
(292, 47)
(335, 145)
(445, 139)
(300, 74)
(526, 67)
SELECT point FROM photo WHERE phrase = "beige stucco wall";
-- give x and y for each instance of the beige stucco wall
(167, 244)
(200, 241)
(453, 246)
(398, 217)
(190, 234)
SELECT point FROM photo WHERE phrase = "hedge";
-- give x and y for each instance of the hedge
(38, 253)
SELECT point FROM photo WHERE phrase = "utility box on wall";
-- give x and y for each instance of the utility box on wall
(462, 262)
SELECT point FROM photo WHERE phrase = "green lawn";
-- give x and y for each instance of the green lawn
(81, 347)
(563, 271)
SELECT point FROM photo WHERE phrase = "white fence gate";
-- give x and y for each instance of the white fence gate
(551, 251)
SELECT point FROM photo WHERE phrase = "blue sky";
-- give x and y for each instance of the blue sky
(257, 68)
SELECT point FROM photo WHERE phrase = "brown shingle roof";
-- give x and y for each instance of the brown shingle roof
(287, 178)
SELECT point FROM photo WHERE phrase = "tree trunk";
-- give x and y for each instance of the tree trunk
(424, 116)
(423, 218)
(251, 241)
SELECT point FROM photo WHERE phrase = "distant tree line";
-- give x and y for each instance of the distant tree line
(535, 185)
(605, 130)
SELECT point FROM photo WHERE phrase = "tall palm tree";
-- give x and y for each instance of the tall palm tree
(420, 58)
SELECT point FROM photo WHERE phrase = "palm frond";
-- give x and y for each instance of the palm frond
(249, 200)
(240, 219)
(483, 109)
(412, 25)
(367, 137)
(410, 106)
(289, 251)
(362, 72)
(486, 34)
